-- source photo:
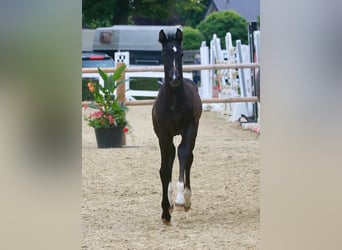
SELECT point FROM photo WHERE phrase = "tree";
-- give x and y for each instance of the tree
(220, 23)
(191, 12)
(156, 12)
(97, 13)
(192, 38)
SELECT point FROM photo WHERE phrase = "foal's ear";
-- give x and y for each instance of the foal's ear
(179, 35)
(162, 36)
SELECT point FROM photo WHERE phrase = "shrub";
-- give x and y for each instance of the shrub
(220, 23)
(192, 38)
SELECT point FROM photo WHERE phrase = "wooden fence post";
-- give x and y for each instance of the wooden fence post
(120, 92)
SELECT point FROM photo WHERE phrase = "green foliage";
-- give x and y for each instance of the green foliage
(221, 22)
(156, 9)
(104, 13)
(191, 12)
(110, 111)
(98, 13)
(144, 83)
(192, 38)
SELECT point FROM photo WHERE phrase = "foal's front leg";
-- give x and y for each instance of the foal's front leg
(167, 150)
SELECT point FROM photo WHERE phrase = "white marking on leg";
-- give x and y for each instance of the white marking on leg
(174, 70)
(170, 194)
(180, 194)
(187, 196)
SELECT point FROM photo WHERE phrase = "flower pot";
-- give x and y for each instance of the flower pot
(109, 137)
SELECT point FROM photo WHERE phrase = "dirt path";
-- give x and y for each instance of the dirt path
(122, 191)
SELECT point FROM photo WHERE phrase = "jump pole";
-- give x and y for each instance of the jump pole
(207, 100)
(186, 68)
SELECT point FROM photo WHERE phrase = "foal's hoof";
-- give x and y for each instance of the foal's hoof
(166, 218)
(166, 222)
(179, 207)
(186, 209)
(182, 207)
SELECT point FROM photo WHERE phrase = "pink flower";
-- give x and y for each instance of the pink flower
(85, 105)
(96, 114)
(125, 130)
(111, 119)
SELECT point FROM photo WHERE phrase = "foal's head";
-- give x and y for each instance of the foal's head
(172, 56)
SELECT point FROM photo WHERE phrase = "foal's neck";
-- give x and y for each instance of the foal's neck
(175, 95)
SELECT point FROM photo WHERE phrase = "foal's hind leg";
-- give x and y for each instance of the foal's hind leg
(184, 190)
(187, 190)
(185, 156)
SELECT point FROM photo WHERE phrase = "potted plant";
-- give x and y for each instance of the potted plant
(109, 119)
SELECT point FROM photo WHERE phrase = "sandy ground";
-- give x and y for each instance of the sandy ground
(121, 191)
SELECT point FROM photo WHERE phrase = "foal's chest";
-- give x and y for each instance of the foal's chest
(175, 121)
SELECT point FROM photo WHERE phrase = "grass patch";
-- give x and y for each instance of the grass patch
(144, 83)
